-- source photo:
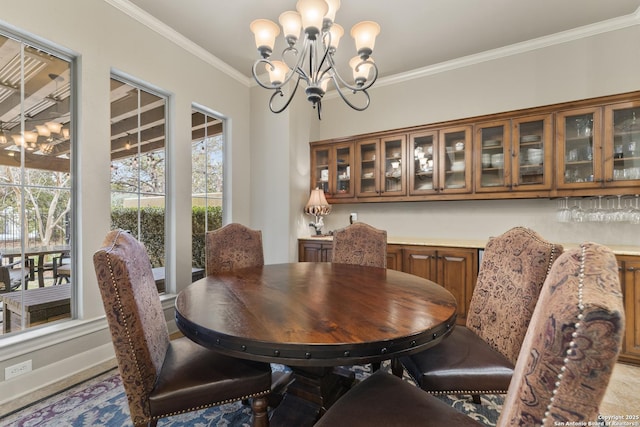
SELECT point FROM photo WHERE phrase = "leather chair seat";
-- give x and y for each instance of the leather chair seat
(186, 379)
(404, 405)
(462, 363)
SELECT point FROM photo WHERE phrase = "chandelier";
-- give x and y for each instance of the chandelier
(311, 59)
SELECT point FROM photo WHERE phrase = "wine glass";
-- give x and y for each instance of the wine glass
(577, 213)
(563, 214)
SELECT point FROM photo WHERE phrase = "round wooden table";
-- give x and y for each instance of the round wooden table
(315, 314)
(315, 317)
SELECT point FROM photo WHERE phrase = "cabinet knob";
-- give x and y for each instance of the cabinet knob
(631, 269)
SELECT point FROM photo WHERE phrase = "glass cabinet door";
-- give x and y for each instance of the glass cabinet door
(320, 168)
(532, 142)
(578, 144)
(367, 157)
(454, 161)
(494, 160)
(622, 144)
(342, 161)
(392, 151)
(422, 147)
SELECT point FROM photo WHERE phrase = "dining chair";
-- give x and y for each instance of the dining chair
(231, 247)
(479, 357)
(562, 371)
(163, 377)
(360, 244)
(61, 266)
(12, 274)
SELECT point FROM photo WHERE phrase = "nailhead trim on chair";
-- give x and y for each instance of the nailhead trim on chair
(222, 402)
(573, 344)
(121, 308)
(445, 392)
(133, 354)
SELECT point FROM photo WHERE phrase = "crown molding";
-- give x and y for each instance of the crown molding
(170, 34)
(517, 48)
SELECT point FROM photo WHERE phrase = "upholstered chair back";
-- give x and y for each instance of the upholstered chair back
(360, 244)
(512, 271)
(570, 350)
(134, 313)
(232, 247)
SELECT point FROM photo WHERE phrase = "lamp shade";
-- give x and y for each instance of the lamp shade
(278, 72)
(317, 204)
(291, 24)
(265, 33)
(334, 5)
(336, 33)
(312, 13)
(364, 34)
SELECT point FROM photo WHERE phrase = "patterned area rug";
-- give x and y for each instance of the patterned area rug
(101, 402)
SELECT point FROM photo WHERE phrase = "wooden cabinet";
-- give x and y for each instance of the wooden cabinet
(629, 267)
(394, 257)
(579, 152)
(312, 250)
(455, 269)
(381, 167)
(593, 151)
(622, 144)
(331, 170)
(514, 155)
(440, 161)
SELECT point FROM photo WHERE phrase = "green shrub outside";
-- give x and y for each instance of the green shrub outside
(152, 227)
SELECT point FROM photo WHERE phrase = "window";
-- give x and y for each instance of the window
(36, 175)
(207, 157)
(138, 166)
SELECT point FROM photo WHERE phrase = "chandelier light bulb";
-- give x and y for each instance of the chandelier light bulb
(330, 16)
(361, 69)
(312, 13)
(291, 24)
(30, 136)
(43, 130)
(278, 71)
(265, 32)
(54, 127)
(336, 33)
(364, 33)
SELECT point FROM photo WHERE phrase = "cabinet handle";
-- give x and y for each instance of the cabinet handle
(631, 269)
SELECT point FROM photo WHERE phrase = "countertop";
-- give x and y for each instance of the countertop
(469, 243)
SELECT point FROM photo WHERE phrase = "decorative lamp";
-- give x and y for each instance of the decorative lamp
(318, 207)
(311, 58)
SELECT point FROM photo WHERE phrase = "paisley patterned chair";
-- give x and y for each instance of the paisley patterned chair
(479, 358)
(360, 244)
(231, 247)
(563, 369)
(163, 377)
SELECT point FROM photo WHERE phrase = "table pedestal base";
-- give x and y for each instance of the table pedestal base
(311, 393)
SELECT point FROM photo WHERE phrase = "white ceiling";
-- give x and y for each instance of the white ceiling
(415, 33)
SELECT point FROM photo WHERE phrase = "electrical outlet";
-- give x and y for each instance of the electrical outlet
(353, 217)
(18, 369)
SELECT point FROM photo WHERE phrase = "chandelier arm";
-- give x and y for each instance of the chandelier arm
(349, 103)
(281, 93)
